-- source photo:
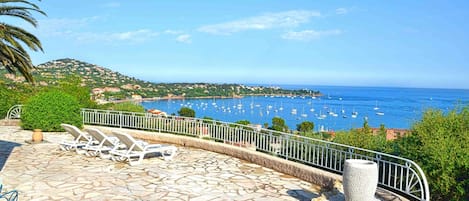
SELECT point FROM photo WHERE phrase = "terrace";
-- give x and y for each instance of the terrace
(294, 169)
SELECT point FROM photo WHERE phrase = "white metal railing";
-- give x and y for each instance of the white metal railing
(14, 112)
(396, 173)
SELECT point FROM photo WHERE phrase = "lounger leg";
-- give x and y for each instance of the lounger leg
(171, 152)
(132, 163)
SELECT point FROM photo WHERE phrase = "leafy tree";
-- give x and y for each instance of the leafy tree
(364, 138)
(72, 85)
(366, 127)
(278, 124)
(439, 143)
(243, 122)
(382, 130)
(207, 119)
(305, 126)
(186, 112)
(13, 56)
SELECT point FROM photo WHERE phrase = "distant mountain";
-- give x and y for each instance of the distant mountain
(107, 84)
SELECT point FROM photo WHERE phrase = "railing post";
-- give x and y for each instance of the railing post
(120, 119)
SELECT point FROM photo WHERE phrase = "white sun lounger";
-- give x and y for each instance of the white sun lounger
(80, 139)
(104, 145)
(138, 149)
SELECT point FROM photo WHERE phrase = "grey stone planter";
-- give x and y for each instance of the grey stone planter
(360, 180)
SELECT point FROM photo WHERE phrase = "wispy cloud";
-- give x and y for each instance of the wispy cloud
(62, 26)
(184, 38)
(136, 36)
(76, 29)
(308, 35)
(341, 11)
(291, 18)
(172, 32)
(112, 5)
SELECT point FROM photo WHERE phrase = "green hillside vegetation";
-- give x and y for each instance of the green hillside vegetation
(111, 85)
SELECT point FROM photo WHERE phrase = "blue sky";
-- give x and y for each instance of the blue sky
(353, 43)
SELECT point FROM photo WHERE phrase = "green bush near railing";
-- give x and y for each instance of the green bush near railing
(8, 98)
(440, 144)
(47, 110)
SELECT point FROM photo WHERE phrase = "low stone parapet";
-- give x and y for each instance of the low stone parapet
(10, 122)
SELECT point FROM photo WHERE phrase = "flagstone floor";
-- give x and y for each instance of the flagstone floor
(44, 172)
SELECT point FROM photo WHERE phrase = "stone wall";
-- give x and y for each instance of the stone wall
(10, 122)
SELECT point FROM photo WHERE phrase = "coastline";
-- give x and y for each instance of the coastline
(203, 97)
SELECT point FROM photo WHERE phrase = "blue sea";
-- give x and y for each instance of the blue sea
(341, 108)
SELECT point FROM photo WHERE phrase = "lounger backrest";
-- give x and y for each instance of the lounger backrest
(100, 136)
(73, 130)
(128, 140)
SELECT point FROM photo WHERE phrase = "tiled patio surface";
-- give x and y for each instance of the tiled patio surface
(44, 172)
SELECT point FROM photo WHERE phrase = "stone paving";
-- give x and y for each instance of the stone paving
(44, 172)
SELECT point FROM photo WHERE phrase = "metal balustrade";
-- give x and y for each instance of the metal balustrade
(14, 112)
(395, 173)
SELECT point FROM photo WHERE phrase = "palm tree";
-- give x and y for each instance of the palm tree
(12, 38)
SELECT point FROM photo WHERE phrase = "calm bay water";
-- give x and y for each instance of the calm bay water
(393, 107)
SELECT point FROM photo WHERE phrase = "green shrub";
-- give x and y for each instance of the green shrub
(13, 94)
(243, 122)
(439, 143)
(128, 107)
(186, 112)
(47, 110)
(8, 98)
(305, 126)
(278, 124)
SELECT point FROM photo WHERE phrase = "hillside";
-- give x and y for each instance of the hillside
(107, 84)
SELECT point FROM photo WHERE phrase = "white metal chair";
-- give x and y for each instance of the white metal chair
(138, 149)
(9, 195)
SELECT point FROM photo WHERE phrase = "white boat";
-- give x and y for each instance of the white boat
(376, 107)
(293, 111)
(321, 116)
(354, 113)
(304, 115)
(380, 113)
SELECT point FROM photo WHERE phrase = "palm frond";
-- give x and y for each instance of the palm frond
(12, 54)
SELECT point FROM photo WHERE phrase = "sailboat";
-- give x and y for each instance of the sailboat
(354, 114)
(303, 114)
(376, 107)
(321, 116)
(293, 111)
(281, 106)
